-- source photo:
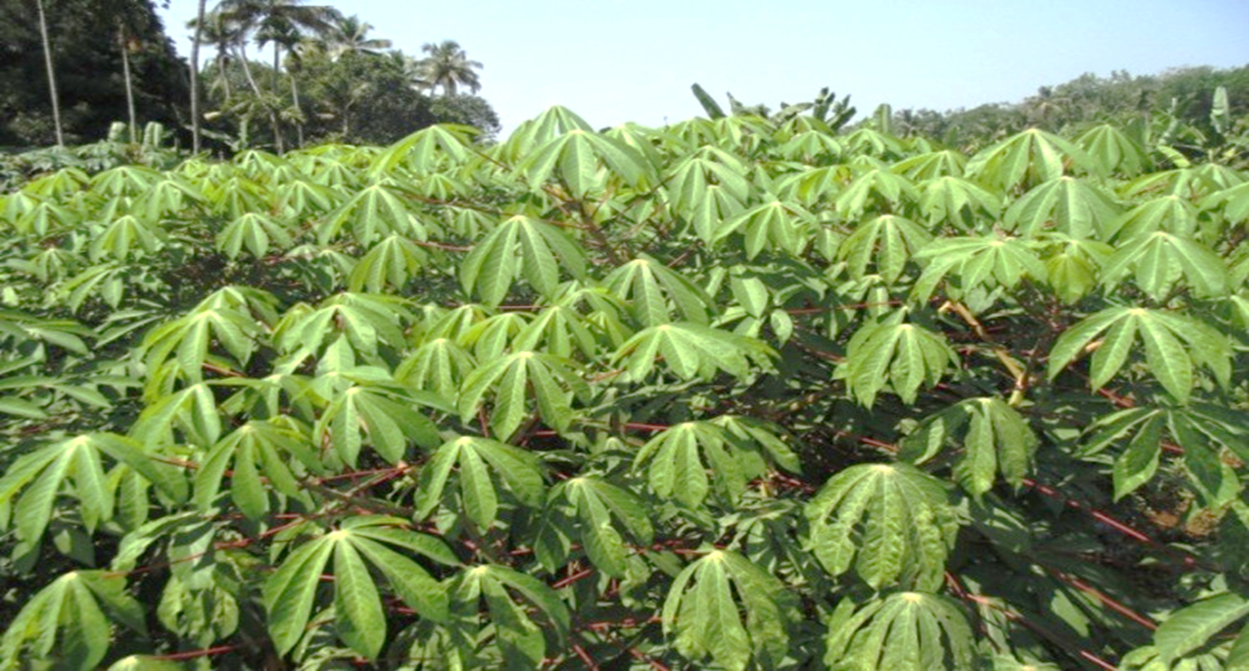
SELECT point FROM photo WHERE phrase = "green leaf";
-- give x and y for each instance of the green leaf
(888, 241)
(514, 468)
(520, 247)
(358, 608)
(1175, 345)
(909, 631)
(897, 356)
(994, 437)
(892, 523)
(291, 591)
(1193, 626)
(707, 617)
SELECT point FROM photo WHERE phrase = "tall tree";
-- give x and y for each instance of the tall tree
(89, 64)
(215, 29)
(448, 66)
(283, 24)
(47, 57)
(195, 98)
(351, 35)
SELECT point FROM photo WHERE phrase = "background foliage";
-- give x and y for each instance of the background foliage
(744, 392)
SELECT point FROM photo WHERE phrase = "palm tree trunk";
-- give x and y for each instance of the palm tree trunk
(47, 57)
(273, 116)
(195, 42)
(125, 69)
(277, 65)
(299, 125)
(222, 60)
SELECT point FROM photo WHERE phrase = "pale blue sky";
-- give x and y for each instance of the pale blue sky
(613, 61)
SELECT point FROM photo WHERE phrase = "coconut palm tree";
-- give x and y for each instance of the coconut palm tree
(226, 29)
(47, 57)
(448, 66)
(281, 23)
(351, 35)
(216, 30)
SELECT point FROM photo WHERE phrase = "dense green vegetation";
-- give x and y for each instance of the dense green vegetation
(89, 70)
(324, 81)
(742, 392)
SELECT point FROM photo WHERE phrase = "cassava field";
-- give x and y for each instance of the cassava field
(738, 393)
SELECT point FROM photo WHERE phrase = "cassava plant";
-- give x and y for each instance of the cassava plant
(735, 394)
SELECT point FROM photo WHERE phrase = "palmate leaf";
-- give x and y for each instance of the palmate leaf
(373, 405)
(125, 180)
(258, 449)
(1114, 151)
(602, 511)
(493, 336)
(254, 230)
(226, 319)
(1158, 261)
(517, 470)
(584, 161)
(376, 211)
(169, 196)
(1170, 214)
(552, 382)
(1201, 430)
(932, 165)
(124, 237)
(392, 261)
(192, 411)
(690, 351)
(235, 196)
(908, 631)
(41, 475)
(877, 189)
(648, 286)
(1072, 265)
(438, 365)
(891, 522)
(958, 202)
(427, 150)
(520, 247)
(985, 261)
(994, 437)
(709, 174)
(367, 320)
(1232, 202)
(67, 625)
(811, 146)
(678, 459)
(46, 216)
(704, 612)
(868, 141)
(553, 122)
(522, 640)
(896, 356)
(1192, 627)
(289, 594)
(1031, 157)
(783, 227)
(300, 197)
(560, 330)
(1070, 206)
(887, 242)
(1175, 346)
